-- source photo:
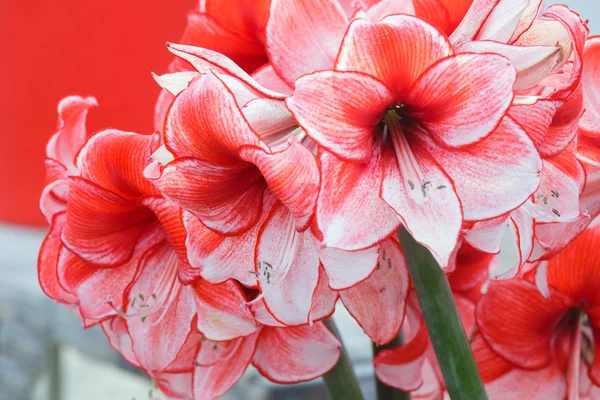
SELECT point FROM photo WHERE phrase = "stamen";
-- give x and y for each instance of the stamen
(544, 209)
(409, 167)
(274, 271)
(167, 288)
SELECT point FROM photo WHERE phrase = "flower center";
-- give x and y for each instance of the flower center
(415, 181)
(544, 206)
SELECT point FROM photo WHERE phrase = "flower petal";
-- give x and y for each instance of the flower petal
(292, 175)
(102, 227)
(223, 257)
(226, 198)
(435, 219)
(324, 299)
(323, 304)
(205, 61)
(471, 271)
(533, 63)
(340, 110)
(99, 291)
(345, 268)
(215, 380)
(178, 386)
(171, 221)
(472, 22)
(244, 18)
(578, 32)
(298, 354)
(158, 303)
(54, 198)
(118, 337)
(205, 122)
(222, 311)
(590, 121)
(71, 133)
(553, 237)
(116, 160)
(462, 99)
(271, 120)
(267, 77)
(517, 245)
(549, 123)
(541, 384)
(313, 28)
(506, 164)
(383, 8)
(578, 276)
(175, 82)
(386, 289)
(401, 367)
(288, 272)
(347, 187)
(563, 178)
(397, 50)
(502, 23)
(457, 9)
(516, 321)
(487, 235)
(185, 360)
(48, 264)
(204, 30)
(594, 371)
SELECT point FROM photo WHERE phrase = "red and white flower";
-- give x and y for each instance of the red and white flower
(554, 331)
(404, 113)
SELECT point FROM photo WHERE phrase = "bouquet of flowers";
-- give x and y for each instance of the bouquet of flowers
(432, 164)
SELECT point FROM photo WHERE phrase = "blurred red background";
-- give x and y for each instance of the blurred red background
(54, 48)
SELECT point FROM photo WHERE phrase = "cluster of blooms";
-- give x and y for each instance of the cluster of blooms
(294, 137)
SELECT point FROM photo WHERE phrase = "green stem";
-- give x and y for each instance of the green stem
(385, 392)
(53, 365)
(341, 381)
(445, 328)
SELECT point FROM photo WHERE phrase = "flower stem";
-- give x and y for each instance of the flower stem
(385, 392)
(445, 328)
(341, 381)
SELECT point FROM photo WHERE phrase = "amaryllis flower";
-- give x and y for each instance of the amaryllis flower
(282, 355)
(550, 118)
(536, 46)
(301, 41)
(589, 124)
(60, 164)
(206, 369)
(250, 195)
(60, 153)
(222, 166)
(556, 201)
(551, 238)
(502, 378)
(555, 328)
(124, 250)
(419, 128)
(235, 30)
